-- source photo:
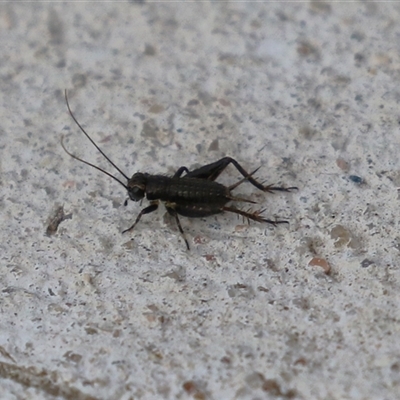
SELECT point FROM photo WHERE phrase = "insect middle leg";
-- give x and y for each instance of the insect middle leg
(255, 216)
(152, 207)
(172, 212)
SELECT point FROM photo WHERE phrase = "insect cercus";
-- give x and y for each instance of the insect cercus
(194, 195)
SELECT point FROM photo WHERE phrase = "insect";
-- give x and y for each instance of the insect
(194, 195)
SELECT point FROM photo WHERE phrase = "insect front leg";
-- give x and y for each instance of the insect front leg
(152, 207)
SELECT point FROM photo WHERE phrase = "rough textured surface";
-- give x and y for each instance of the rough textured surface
(307, 311)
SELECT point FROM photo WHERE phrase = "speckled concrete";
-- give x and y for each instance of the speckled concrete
(309, 91)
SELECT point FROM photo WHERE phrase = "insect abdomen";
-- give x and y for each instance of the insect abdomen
(195, 210)
(187, 191)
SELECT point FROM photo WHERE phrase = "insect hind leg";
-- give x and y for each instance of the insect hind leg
(213, 170)
(258, 185)
(255, 216)
(180, 171)
(246, 178)
(210, 171)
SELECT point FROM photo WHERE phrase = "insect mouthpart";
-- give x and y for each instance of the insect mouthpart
(136, 193)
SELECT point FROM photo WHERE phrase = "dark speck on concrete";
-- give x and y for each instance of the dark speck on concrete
(356, 179)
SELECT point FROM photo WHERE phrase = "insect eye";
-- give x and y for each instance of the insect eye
(136, 193)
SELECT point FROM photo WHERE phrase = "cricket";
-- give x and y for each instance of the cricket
(194, 195)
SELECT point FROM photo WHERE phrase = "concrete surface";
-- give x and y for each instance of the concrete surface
(310, 91)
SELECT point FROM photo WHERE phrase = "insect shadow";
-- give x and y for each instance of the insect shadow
(194, 195)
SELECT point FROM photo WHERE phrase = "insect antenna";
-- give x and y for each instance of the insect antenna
(95, 145)
(90, 164)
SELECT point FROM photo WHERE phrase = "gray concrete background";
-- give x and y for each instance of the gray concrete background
(309, 91)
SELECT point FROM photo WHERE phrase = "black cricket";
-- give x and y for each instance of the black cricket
(194, 195)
